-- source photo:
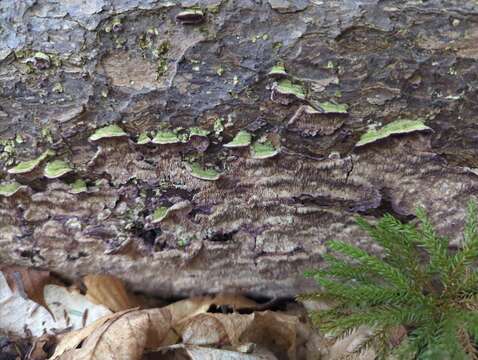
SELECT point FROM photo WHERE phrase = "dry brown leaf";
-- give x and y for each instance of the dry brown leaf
(214, 329)
(184, 309)
(129, 334)
(28, 282)
(236, 302)
(125, 335)
(41, 347)
(194, 352)
(72, 339)
(109, 291)
(275, 331)
(272, 330)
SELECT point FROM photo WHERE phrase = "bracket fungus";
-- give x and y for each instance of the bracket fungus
(162, 212)
(159, 214)
(78, 186)
(110, 131)
(166, 137)
(263, 150)
(396, 127)
(56, 169)
(143, 139)
(10, 189)
(30, 165)
(190, 16)
(196, 131)
(199, 172)
(278, 71)
(284, 92)
(242, 139)
(328, 107)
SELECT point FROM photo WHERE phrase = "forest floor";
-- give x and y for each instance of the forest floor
(42, 317)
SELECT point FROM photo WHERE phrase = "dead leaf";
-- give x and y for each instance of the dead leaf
(236, 302)
(71, 307)
(72, 339)
(194, 352)
(109, 291)
(214, 329)
(272, 330)
(41, 348)
(129, 332)
(124, 336)
(397, 334)
(28, 282)
(21, 316)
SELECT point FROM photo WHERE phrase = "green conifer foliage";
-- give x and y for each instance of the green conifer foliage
(419, 283)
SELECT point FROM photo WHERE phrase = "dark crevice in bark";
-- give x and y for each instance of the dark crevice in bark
(386, 207)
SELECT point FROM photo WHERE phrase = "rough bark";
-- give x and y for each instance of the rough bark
(133, 63)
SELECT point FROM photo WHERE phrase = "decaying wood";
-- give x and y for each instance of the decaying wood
(265, 220)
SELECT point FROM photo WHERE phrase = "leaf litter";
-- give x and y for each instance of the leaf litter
(99, 319)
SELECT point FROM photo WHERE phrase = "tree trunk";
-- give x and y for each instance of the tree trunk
(71, 67)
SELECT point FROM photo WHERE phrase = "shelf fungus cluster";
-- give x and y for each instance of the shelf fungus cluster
(261, 149)
(52, 170)
(8, 189)
(30, 165)
(396, 127)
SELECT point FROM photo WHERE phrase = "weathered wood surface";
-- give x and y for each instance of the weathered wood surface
(254, 230)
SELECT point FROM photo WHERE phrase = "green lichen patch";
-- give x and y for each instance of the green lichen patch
(328, 107)
(56, 169)
(396, 127)
(278, 70)
(199, 172)
(263, 150)
(79, 186)
(196, 131)
(166, 137)
(242, 139)
(110, 131)
(286, 87)
(30, 165)
(160, 214)
(143, 139)
(10, 189)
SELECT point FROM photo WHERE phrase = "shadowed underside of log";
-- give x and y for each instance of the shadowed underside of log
(68, 69)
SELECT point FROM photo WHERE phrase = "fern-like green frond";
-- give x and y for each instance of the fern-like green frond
(436, 246)
(373, 263)
(419, 284)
